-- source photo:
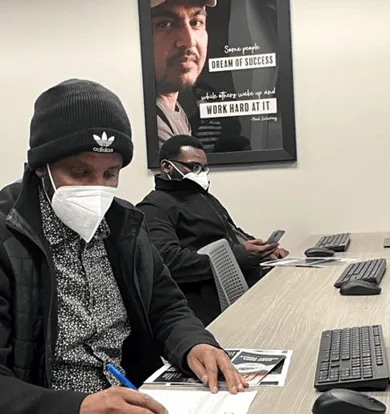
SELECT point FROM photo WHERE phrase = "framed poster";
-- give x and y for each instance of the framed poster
(220, 70)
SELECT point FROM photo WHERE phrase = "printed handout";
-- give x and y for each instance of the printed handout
(255, 365)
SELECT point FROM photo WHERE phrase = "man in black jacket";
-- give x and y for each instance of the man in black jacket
(81, 286)
(182, 216)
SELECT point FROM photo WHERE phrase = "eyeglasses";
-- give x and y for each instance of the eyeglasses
(195, 167)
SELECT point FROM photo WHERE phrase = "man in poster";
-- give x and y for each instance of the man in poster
(180, 42)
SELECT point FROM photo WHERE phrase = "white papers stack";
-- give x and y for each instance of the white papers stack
(203, 402)
(318, 262)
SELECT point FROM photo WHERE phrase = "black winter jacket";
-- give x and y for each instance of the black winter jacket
(161, 322)
(182, 218)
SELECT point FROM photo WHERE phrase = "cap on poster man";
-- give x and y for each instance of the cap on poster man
(155, 3)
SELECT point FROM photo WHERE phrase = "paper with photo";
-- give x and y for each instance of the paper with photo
(254, 365)
(203, 402)
(277, 377)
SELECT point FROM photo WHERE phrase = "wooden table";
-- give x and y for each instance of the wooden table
(289, 308)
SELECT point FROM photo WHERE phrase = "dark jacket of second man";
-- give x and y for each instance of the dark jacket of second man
(182, 217)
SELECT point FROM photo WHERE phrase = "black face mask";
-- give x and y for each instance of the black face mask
(174, 174)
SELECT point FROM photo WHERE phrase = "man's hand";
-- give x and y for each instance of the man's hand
(257, 250)
(120, 400)
(279, 254)
(206, 360)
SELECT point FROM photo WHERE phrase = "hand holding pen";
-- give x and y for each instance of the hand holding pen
(123, 400)
(120, 377)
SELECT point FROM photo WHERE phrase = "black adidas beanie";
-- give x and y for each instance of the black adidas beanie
(78, 116)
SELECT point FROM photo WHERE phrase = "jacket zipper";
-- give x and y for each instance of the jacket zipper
(224, 224)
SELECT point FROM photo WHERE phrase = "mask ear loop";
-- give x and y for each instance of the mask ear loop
(51, 182)
(51, 177)
(161, 164)
(174, 166)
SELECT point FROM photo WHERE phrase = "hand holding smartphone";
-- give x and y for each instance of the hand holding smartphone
(275, 237)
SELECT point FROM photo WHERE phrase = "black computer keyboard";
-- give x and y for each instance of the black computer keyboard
(335, 242)
(353, 358)
(369, 271)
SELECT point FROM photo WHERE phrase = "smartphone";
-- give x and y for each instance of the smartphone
(275, 236)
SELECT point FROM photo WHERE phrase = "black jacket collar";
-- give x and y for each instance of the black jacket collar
(164, 184)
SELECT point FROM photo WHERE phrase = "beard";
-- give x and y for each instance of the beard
(165, 86)
(176, 78)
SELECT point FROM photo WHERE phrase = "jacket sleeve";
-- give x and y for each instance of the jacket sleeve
(17, 396)
(185, 265)
(176, 328)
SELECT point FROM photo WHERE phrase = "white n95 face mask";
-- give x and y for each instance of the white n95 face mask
(82, 207)
(201, 179)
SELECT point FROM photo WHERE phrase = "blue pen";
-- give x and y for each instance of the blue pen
(120, 377)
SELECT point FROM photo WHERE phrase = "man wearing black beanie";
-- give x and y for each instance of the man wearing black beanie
(83, 293)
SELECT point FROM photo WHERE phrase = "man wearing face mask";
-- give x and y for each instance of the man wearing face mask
(182, 217)
(81, 286)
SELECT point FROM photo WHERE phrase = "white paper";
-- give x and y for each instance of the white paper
(308, 262)
(202, 402)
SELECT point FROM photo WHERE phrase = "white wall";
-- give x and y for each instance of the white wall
(342, 88)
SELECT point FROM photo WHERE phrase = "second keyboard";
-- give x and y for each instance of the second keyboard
(369, 271)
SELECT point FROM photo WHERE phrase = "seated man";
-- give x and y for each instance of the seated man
(81, 285)
(182, 216)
